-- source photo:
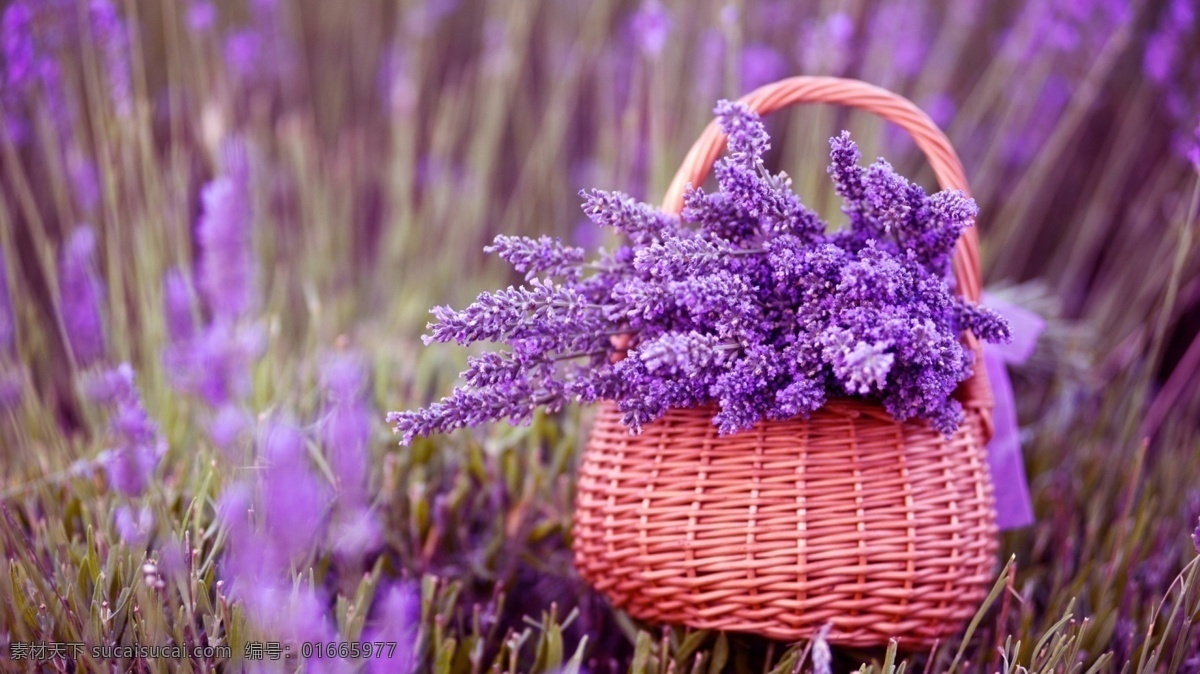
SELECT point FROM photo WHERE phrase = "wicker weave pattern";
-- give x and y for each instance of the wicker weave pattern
(885, 529)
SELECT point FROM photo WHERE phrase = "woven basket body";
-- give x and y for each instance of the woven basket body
(884, 529)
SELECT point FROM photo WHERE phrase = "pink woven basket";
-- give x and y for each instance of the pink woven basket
(884, 529)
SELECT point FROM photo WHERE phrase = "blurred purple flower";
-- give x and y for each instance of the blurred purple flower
(130, 464)
(216, 364)
(292, 615)
(650, 26)
(729, 16)
(177, 308)
(709, 67)
(586, 235)
(129, 468)
(110, 387)
(234, 509)
(346, 426)
(423, 17)
(28, 68)
(228, 428)
(81, 295)
(355, 532)
(171, 557)
(226, 273)
(396, 618)
(294, 501)
(12, 386)
(1193, 148)
(201, 15)
(1159, 57)
(824, 46)
(243, 52)
(109, 32)
(262, 53)
(22, 63)
(1021, 142)
(1196, 538)
(32, 37)
(8, 324)
(393, 80)
(134, 528)
(902, 28)
(761, 65)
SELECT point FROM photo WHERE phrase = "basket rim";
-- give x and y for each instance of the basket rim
(842, 406)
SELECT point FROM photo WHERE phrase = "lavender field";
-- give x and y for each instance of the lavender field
(223, 224)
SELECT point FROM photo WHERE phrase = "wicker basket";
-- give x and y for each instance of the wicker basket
(884, 529)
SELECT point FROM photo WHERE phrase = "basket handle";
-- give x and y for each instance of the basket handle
(856, 94)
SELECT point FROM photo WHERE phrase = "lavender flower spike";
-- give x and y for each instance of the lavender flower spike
(294, 501)
(177, 306)
(11, 379)
(81, 295)
(8, 325)
(346, 427)
(138, 446)
(744, 301)
(226, 274)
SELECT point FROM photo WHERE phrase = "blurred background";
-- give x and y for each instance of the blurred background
(254, 204)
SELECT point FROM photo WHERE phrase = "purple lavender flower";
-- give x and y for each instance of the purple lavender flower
(542, 309)
(12, 373)
(1165, 46)
(744, 301)
(355, 532)
(294, 501)
(137, 445)
(23, 65)
(177, 307)
(639, 221)
(228, 427)
(824, 46)
(536, 257)
(262, 52)
(8, 325)
(650, 26)
(225, 237)
(215, 365)
(761, 65)
(134, 527)
(861, 367)
(243, 51)
(346, 427)
(201, 15)
(29, 69)
(294, 616)
(395, 618)
(81, 296)
(1193, 148)
(109, 32)
(422, 18)
(903, 29)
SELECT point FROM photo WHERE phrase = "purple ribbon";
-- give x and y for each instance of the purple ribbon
(1013, 507)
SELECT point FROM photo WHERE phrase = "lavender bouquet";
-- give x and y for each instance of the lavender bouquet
(744, 301)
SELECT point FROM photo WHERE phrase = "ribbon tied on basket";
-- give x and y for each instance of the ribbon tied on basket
(1013, 507)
